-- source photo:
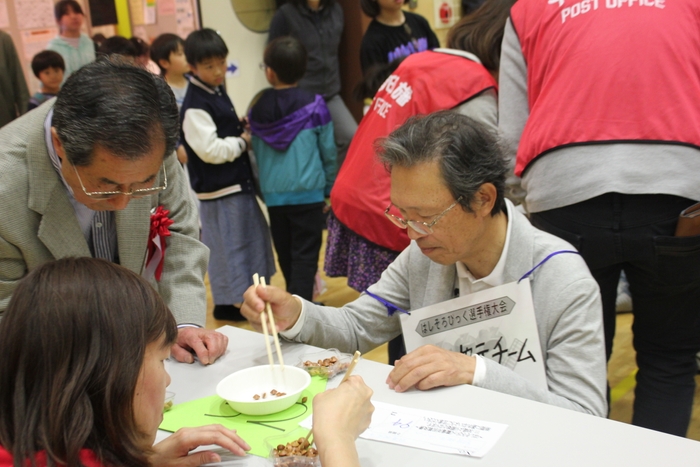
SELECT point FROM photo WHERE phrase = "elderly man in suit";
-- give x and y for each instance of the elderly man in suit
(83, 174)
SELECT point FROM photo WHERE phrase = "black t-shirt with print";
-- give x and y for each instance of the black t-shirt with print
(383, 44)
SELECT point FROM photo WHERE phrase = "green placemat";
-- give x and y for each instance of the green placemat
(252, 428)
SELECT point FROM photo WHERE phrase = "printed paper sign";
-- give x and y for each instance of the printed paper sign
(497, 323)
(433, 431)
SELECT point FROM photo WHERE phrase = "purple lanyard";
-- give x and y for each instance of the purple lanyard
(391, 308)
(527, 274)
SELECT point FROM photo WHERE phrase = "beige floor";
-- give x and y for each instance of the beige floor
(621, 369)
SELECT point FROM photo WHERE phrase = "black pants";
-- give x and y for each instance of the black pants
(634, 233)
(297, 232)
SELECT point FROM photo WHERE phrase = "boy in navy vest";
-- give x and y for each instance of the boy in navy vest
(233, 226)
(296, 154)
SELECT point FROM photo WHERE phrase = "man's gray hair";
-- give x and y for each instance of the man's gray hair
(117, 106)
(469, 153)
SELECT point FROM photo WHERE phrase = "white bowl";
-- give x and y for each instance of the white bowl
(240, 388)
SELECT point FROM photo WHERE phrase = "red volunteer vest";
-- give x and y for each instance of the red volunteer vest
(424, 83)
(609, 71)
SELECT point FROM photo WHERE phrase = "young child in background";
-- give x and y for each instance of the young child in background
(296, 154)
(118, 45)
(48, 66)
(393, 33)
(143, 55)
(168, 52)
(76, 48)
(233, 226)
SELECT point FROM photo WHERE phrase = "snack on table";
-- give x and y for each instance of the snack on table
(323, 367)
(273, 392)
(292, 449)
(326, 363)
(299, 447)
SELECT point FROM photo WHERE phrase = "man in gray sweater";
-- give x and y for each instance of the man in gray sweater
(447, 187)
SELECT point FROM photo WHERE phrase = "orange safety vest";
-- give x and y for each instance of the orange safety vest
(609, 71)
(424, 83)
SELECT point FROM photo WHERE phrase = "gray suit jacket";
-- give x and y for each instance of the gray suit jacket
(38, 223)
(567, 309)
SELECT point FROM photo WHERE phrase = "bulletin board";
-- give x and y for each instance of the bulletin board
(150, 18)
(31, 23)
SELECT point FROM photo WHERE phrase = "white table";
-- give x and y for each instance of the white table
(538, 435)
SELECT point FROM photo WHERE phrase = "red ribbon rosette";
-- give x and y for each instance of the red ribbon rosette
(160, 228)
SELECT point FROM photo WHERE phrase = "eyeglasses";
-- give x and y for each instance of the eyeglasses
(138, 193)
(422, 228)
(262, 66)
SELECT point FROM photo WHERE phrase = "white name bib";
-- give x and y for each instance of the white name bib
(497, 323)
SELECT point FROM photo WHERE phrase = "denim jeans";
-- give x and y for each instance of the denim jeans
(634, 233)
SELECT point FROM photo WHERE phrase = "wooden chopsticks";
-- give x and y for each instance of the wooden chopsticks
(351, 367)
(257, 280)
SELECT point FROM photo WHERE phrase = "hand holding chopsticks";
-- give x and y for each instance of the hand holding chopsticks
(341, 414)
(351, 367)
(257, 280)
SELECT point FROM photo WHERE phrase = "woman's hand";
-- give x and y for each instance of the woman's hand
(174, 451)
(340, 415)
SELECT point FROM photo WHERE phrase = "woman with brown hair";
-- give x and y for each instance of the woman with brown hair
(481, 33)
(83, 344)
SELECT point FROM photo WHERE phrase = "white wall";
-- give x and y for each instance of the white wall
(245, 49)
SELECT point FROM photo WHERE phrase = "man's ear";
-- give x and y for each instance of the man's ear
(485, 199)
(57, 144)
